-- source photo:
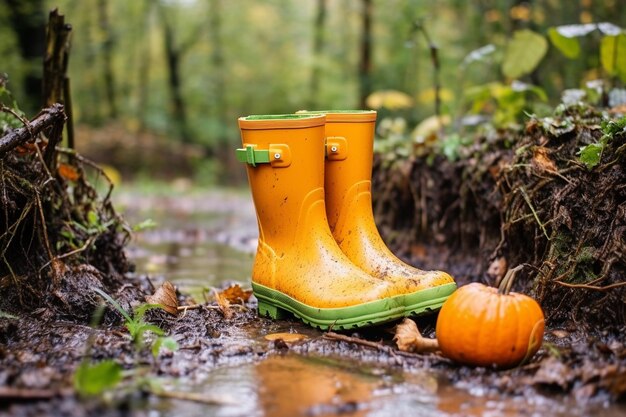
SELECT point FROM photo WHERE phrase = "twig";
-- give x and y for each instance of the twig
(592, 287)
(201, 398)
(46, 118)
(24, 394)
(527, 199)
(70, 253)
(190, 307)
(378, 346)
(434, 58)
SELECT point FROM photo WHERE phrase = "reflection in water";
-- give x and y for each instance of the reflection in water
(295, 386)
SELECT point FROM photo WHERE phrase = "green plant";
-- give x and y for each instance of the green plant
(591, 154)
(10, 113)
(94, 379)
(144, 225)
(612, 44)
(138, 327)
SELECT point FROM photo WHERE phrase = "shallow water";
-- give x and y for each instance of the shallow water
(205, 240)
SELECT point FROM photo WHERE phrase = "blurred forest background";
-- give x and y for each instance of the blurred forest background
(157, 85)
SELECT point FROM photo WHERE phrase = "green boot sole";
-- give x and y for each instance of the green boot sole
(276, 305)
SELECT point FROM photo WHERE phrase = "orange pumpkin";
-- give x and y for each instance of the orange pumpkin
(485, 326)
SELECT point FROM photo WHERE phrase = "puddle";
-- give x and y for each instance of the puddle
(206, 240)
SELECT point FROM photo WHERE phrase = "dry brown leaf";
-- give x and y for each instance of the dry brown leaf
(541, 159)
(223, 304)
(409, 339)
(236, 294)
(165, 295)
(68, 172)
(286, 337)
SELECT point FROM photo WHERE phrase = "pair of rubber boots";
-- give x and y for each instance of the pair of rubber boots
(320, 256)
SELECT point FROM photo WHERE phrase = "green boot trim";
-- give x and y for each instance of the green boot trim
(275, 304)
(429, 300)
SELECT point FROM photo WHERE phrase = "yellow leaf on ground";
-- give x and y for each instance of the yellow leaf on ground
(223, 304)
(409, 339)
(236, 294)
(165, 295)
(286, 337)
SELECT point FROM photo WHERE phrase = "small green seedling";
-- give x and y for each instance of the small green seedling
(138, 327)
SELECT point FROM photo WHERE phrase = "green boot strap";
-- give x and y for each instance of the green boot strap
(278, 155)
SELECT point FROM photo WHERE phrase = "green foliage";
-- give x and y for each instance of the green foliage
(511, 102)
(611, 128)
(613, 55)
(144, 225)
(94, 379)
(136, 325)
(591, 154)
(451, 144)
(523, 53)
(8, 120)
(569, 46)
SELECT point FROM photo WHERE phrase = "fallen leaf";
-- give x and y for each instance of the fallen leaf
(560, 333)
(26, 148)
(223, 304)
(68, 172)
(286, 337)
(554, 372)
(541, 159)
(165, 295)
(236, 294)
(409, 339)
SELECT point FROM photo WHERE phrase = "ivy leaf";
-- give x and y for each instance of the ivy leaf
(590, 155)
(523, 53)
(94, 379)
(613, 55)
(569, 46)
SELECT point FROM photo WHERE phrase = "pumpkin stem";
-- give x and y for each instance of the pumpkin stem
(507, 282)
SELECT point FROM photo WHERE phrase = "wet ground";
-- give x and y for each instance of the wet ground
(208, 239)
(227, 366)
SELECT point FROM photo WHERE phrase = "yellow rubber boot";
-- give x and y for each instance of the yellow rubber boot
(298, 266)
(348, 170)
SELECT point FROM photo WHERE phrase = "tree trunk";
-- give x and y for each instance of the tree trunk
(217, 60)
(365, 64)
(143, 82)
(107, 55)
(28, 21)
(173, 57)
(318, 46)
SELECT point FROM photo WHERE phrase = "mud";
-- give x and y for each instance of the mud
(519, 197)
(586, 372)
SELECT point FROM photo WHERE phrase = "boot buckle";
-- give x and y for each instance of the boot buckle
(336, 148)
